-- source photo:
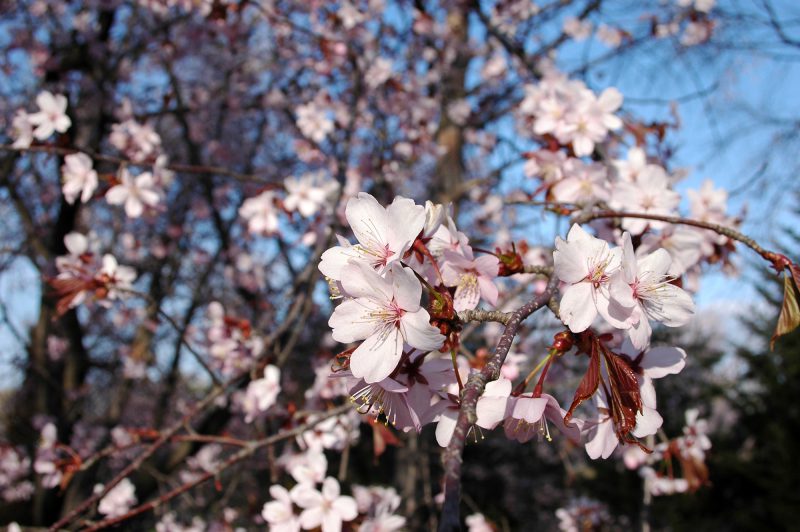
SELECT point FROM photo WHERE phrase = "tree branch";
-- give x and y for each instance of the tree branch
(451, 519)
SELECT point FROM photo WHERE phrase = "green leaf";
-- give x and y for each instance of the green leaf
(789, 318)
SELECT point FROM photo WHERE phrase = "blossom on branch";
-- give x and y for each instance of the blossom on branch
(386, 314)
(588, 266)
(51, 117)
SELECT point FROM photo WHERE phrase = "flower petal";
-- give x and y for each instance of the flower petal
(418, 332)
(377, 356)
(577, 308)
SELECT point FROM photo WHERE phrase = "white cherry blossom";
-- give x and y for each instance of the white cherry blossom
(307, 194)
(279, 512)
(326, 508)
(52, 115)
(135, 192)
(383, 234)
(260, 213)
(313, 122)
(588, 267)
(655, 297)
(385, 313)
(80, 179)
(119, 500)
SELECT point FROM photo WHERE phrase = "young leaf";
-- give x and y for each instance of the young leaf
(789, 318)
(589, 383)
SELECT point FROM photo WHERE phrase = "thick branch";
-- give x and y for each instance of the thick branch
(451, 520)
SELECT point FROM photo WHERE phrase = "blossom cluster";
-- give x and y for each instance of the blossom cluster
(83, 274)
(316, 500)
(396, 368)
(660, 468)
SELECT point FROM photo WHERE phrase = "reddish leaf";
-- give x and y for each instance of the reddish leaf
(589, 383)
(626, 399)
(789, 318)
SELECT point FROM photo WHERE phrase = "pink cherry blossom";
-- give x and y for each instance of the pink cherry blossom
(387, 397)
(262, 393)
(524, 420)
(473, 279)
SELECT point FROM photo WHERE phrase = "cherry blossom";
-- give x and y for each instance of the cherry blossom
(308, 193)
(593, 119)
(385, 313)
(326, 508)
(383, 234)
(261, 393)
(654, 363)
(473, 279)
(260, 213)
(135, 192)
(138, 141)
(588, 266)
(495, 404)
(279, 512)
(524, 419)
(655, 297)
(15, 468)
(308, 467)
(119, 500)
(51, 117)
(379, 505)
(80, 179)
(313, 122)
(583, 184)
(649, 194)
(22, 129)
(577, 29)
(478, 523)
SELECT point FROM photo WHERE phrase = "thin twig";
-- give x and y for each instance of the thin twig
(136, 464)
(717, 228)
(248, 450)
(176, 167)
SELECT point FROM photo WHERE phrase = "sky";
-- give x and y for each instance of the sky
(719, 140)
